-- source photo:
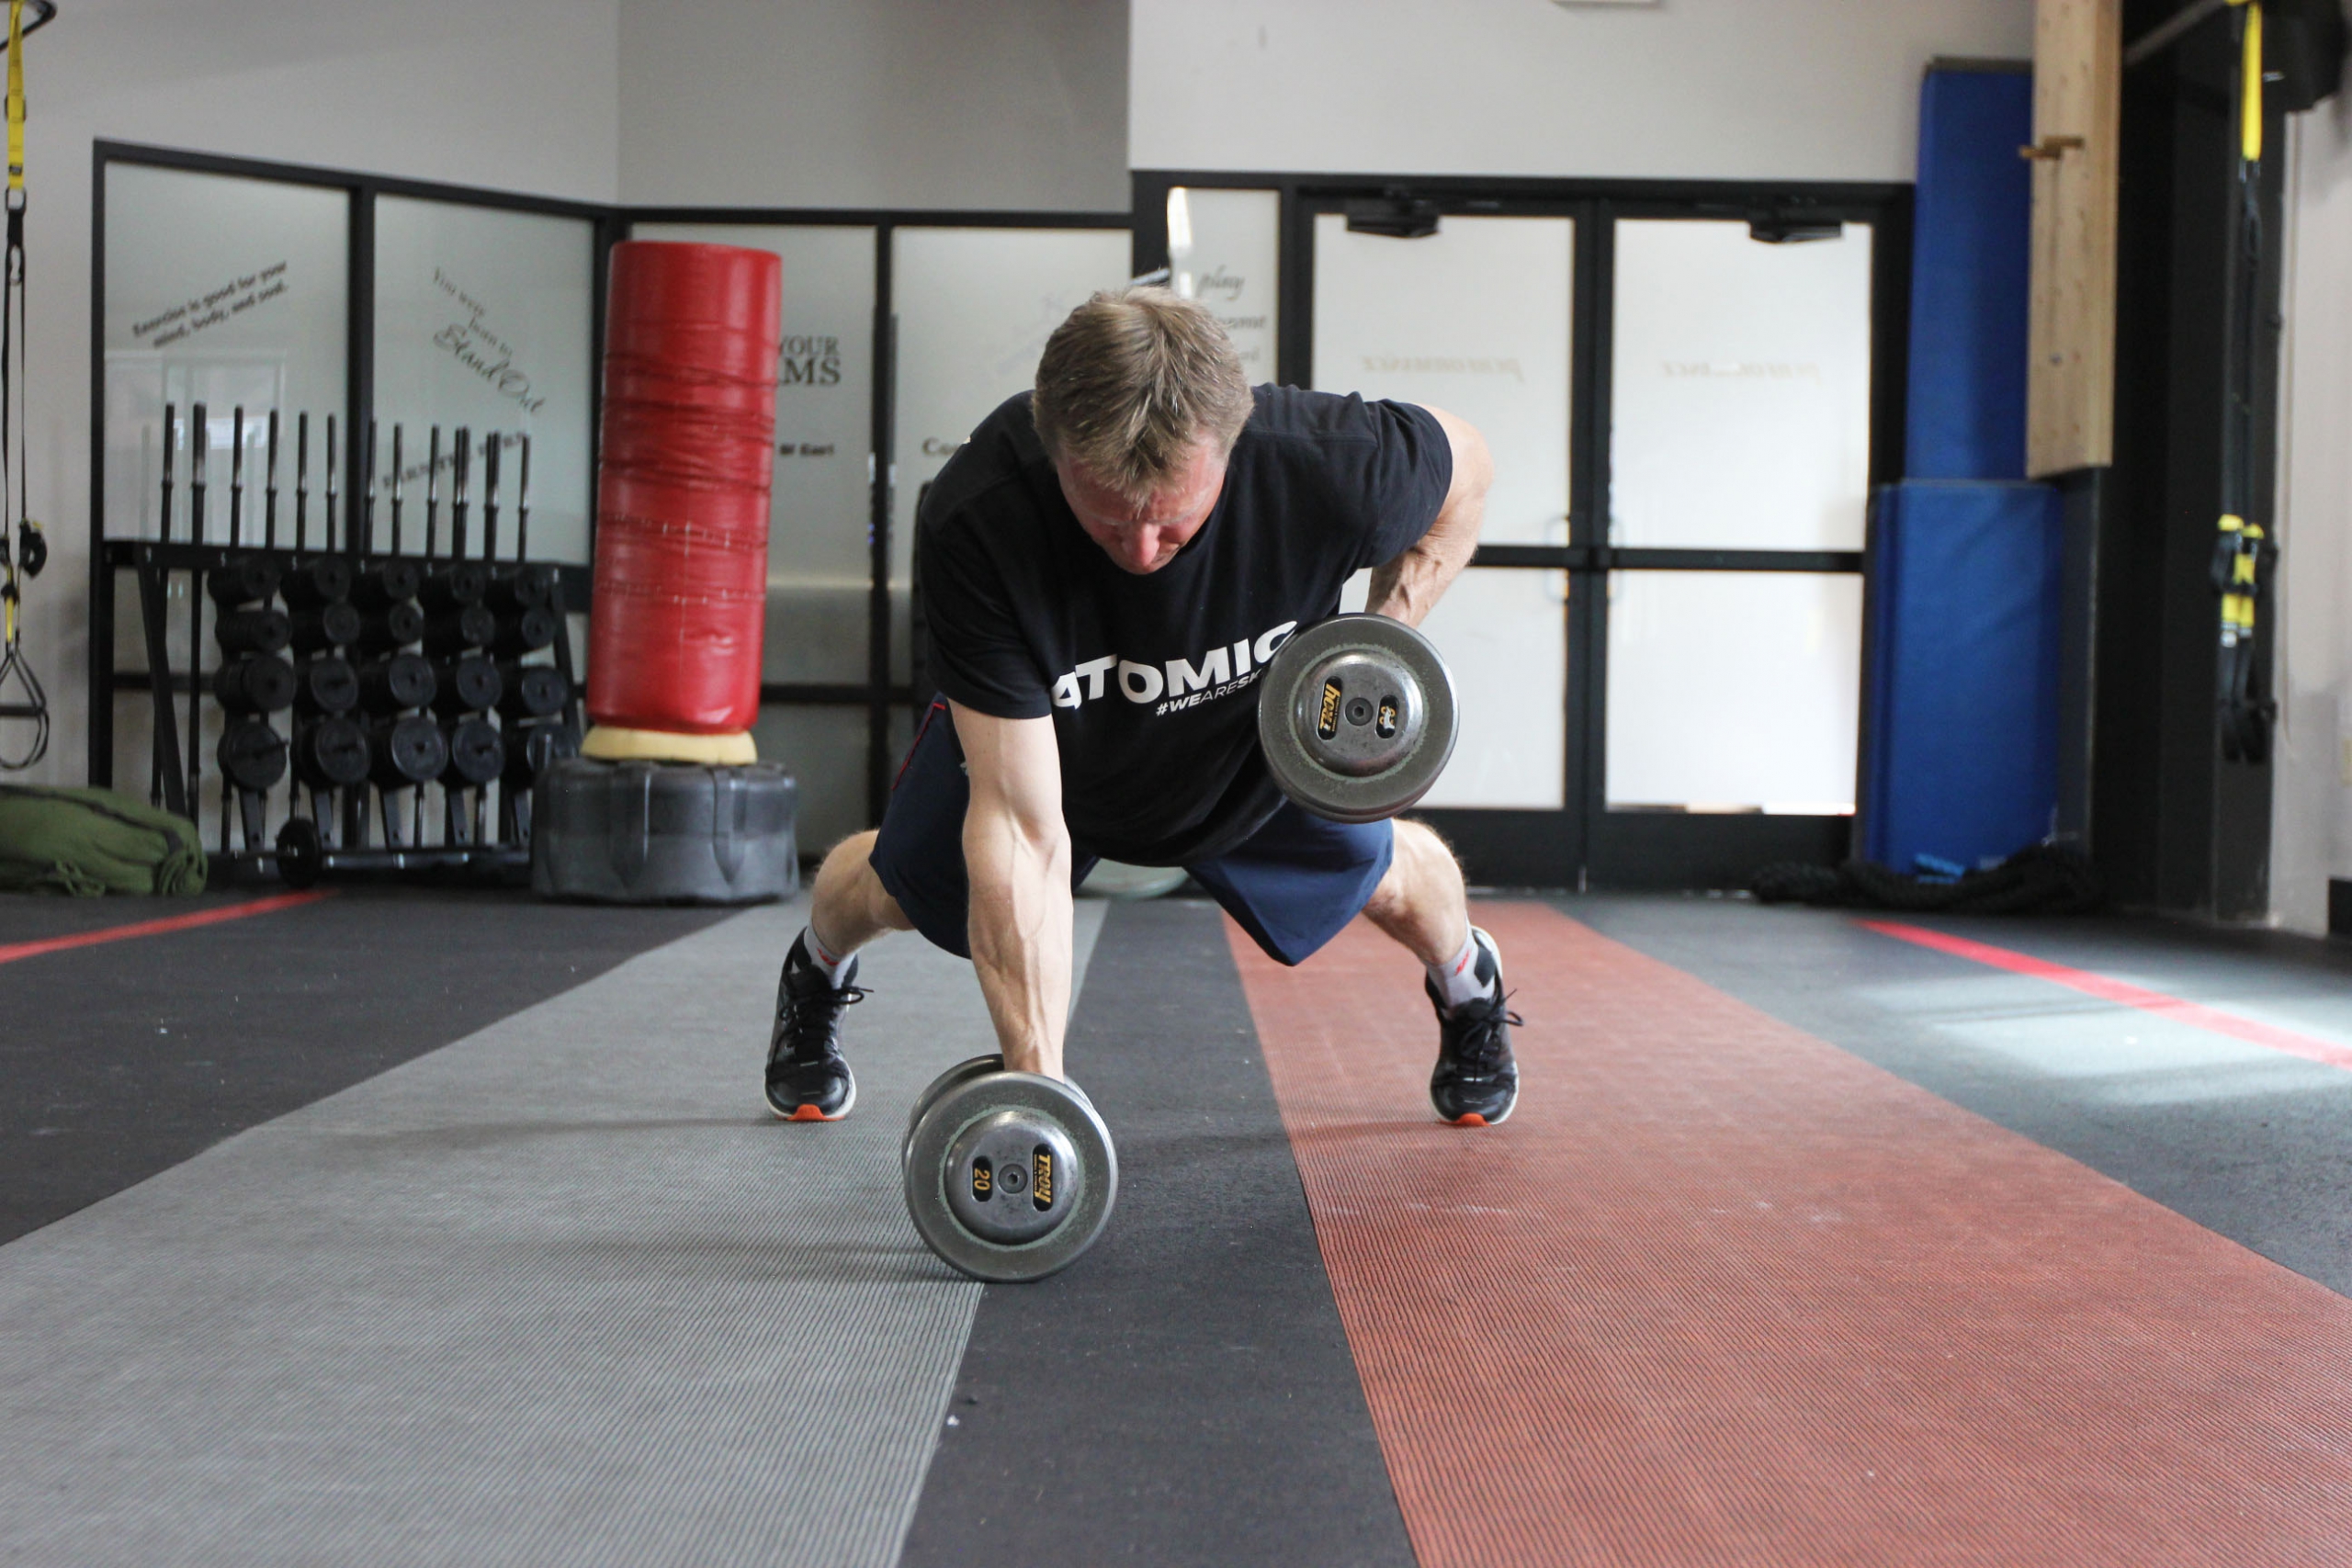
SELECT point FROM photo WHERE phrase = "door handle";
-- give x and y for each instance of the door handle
(2052, 148)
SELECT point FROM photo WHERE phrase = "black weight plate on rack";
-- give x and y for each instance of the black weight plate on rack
(455, 586)
(302, 853)
(327, 684)
(527, 631)
(390, 685)
(470, 684)
(525, 588)
(533, 750)
(387, 582)
(255, 683)
(252, 631)
(321, 580)
(532, 691)
(449, 633)
(334, 625)
(251, 755)
(406, 752)
(395, 625)
(241, 580)
(477, 754)
(330, 755)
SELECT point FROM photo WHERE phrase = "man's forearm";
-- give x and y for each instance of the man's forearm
(1019, 926)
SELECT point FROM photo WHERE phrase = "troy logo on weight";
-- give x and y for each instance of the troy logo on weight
(1185, 683)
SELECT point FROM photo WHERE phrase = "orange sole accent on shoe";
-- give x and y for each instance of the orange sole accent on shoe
(1469, 1119)
(807, 1113)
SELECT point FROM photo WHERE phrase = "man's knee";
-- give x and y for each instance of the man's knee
(1418, 851)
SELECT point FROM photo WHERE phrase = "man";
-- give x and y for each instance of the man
(1107, 564)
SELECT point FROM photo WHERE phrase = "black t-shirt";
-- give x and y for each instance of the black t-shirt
(1151, 681)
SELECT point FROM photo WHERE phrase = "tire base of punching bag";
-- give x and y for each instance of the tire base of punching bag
(646, 832)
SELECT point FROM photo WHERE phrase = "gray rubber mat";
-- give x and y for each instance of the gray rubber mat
(560, 1292)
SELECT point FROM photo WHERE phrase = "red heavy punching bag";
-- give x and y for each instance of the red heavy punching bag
(691, 336)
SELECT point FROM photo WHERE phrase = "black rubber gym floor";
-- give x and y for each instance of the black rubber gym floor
(124, 1058)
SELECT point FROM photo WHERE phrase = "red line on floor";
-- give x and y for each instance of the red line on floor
(1719, 1292)
(11, 954)
(2121, 992)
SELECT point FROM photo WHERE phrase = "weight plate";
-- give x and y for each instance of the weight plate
(403, 680)
(1045, 1127)
(1357, 717)
(301, 854)
(456, 584)
(251, 755)
(252, 631)
(961, 1073)
(241, 580)
(255, 683)
(326, 684)
(330, 755)
(407, 751)
(531, 690)
(321, 580)
(527, 631)
(468, 686)
(476, 754)
(388, 582)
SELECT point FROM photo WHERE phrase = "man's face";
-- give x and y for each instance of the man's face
(1144, 536)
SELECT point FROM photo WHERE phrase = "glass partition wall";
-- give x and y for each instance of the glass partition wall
(1689, 391)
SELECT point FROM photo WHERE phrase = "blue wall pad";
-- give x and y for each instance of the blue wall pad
(1970, 246)
(1962, 698)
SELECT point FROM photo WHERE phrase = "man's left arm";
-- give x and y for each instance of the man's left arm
(1408, 587)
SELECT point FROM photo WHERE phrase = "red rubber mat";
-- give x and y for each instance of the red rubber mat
(1721, 1294)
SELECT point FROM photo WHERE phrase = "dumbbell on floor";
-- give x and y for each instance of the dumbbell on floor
(1008, 1175)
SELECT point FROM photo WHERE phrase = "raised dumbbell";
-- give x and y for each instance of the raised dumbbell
(252, 631)
(1357, 718)
(1008, 1175)
(241, 580)
(253, 683)
(393, 626)
(334, 624)
(321, 580)
(327, 684)
(449, 633)
(405, 751)
(386, 584)
(476, 754)
(466, 686)
(531, 690)
(330, 755)
(251, 755)
(395, 684)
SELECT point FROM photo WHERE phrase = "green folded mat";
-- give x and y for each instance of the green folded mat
(93, 842)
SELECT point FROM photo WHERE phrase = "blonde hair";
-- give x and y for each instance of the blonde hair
(1131, 381)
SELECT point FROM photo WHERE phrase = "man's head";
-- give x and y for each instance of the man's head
(1139, 398)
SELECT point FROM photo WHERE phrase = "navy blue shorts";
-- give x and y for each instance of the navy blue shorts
(1293, 884)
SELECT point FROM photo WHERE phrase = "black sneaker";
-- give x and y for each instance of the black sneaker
(1477, 1080)
(808, 1080)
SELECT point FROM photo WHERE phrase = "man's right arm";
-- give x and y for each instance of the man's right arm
(1017, 857)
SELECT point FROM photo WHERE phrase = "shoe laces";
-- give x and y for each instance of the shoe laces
(1477, 1034)
(809, 1016)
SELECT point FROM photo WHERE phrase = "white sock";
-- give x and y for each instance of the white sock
(824, 957)
(1457, 979)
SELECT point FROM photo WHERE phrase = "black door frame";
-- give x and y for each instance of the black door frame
(1585, 844)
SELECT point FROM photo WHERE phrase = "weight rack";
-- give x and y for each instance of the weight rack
(467, 686)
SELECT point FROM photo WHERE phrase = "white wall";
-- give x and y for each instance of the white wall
(519, 94)
(1003, 104)
(2312, 804)
(1734, 89)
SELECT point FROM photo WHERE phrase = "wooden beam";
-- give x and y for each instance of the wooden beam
(2077, 111)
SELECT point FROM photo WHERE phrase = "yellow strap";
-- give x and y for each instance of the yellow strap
(16, 99)
(2250, 96)
(2232, 523)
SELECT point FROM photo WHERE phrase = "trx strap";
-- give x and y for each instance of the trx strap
(2242, 553)
(32, 551)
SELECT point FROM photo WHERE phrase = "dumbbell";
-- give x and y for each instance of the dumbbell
(393, 626)
(531, 690)
(454, 586)
(253, 683)
(525, 588)
(532, 749)
(241, 580)
(386, 584)
(466, 686)
(405, 751)
(525, 631)
(1356, 716)
(1008, 1175)
(324, 686)
(476, 754)
(321, 580)
(390, 685)
(449, 633)
(251, 755)
(336, 624)
(330, 755)
(251, 631)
